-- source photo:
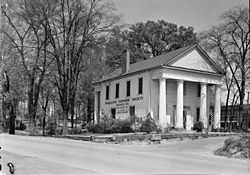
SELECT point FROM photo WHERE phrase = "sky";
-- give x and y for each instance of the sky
(200, 14)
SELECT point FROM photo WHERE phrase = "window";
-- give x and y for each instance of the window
(113, 112)
(107, 92)
(140, 86)
(117, 90)
(132, 110)
(128, 88)
(184, 88)
(197, 114)
(199, 90)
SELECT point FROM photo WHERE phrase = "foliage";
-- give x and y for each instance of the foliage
(148, 125)
(21, 126)
(229, 43)
(110, 125)
(77, 130)
(51, 129)
(146, 40)
(198, 126)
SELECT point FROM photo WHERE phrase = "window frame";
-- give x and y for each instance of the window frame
(107, 92)
(140, 85)
(128, 88)
(117, 90)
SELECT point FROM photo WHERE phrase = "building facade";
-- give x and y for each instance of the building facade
(174, 88)
(233, 117)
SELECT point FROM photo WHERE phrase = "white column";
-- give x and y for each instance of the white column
(96, 106)
(203, 104)
(162, 100)
(179, 105)
(208, 103)
(217, 107)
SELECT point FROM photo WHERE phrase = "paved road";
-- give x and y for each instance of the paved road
(38, 155)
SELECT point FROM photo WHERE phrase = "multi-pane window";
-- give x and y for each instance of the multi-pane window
(107, 92)
(132, 110)
(117, 90)
(128, 88)
(140, 86)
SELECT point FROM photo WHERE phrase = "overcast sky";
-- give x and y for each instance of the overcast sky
(201, 14)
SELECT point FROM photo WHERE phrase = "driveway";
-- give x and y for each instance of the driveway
(44, 155)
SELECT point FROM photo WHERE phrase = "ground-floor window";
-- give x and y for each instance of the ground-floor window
(113, 112)
(131, 110)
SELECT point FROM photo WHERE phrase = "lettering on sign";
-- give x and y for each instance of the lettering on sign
(122, 110)
(137, 98)
(123, 102)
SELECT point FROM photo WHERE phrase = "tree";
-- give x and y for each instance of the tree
(146, 40)
(75, 26)
(231, 41)
(30, 41)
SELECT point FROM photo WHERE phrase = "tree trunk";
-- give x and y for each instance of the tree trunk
(12, 119)
(44, 121)
(5, 126)
(65, 122)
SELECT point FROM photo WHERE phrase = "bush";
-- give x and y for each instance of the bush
(110, 125)
(51, 129)
(76, 130)
(198, 126)
(21, 126)
(148, 125)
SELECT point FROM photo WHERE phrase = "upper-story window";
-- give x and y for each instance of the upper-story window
(107, 92)
(140, 86)
(117, 90)
(128, 88)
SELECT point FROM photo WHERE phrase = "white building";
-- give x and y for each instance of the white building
(173, 87)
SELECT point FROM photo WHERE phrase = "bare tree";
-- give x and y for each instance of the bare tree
(30, 41)
(76, 25)
(231, 41)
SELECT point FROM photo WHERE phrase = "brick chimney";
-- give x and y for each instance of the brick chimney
(125, 61)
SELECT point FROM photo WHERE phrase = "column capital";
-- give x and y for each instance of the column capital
(162, 79)
(180, 81)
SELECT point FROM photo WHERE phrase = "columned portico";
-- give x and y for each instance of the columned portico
(179, 105)
(162, 100)
(217, 107)
(203, 104)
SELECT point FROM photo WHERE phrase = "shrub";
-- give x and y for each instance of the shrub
(51, 129)
(21, 126)
(198, 126)
(110, 125)
(148, 125)
(126, 126)
(76, 130)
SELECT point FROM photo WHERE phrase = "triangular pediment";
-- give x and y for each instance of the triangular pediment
(194, 60)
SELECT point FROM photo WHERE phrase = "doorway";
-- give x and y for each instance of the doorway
(113, 112)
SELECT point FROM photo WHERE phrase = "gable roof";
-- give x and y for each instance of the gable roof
(162, 60)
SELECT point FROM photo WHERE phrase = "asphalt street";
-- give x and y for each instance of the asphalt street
(44, 155)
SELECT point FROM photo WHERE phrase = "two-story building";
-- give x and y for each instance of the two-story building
(174, 88)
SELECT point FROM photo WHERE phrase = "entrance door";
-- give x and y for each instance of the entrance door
(184, 119)
(113, 112)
